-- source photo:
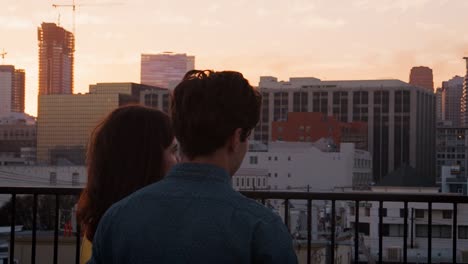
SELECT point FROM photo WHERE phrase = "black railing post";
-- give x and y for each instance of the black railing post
(356, 232)
(380, 231)
(429, 234)
(34, 230)
(56, 230)
(12, 229)
(309, 230)
(78, 242)
(405, 233)
(332, 236)
(454, 229)
(286, 213)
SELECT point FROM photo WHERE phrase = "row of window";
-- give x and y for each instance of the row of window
(254, 159)
(421, 230)
(247, 182)
(418, 213)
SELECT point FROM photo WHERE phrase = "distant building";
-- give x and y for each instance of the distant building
(452, 92)
(400, 117)
(17, 137)
(56, 59)
(452, 149)
(66, 121)
(393, 214)
(12, 90)
(439, 113)
(310, 127)
(306, 166)
(156, 98)
(52, 176)
(453, 181)
(422, 77)
(464, 100)
(165, 69)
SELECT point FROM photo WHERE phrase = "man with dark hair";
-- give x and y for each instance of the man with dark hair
(194, 215)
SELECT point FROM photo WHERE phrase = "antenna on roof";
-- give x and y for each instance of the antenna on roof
(3, 54)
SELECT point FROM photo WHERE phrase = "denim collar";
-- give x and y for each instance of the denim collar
(200, 171)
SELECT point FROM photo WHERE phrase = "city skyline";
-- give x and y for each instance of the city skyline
(334, 42)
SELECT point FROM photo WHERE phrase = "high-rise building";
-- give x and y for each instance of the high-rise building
(464, 100)
(439, 114)
(422, 77)
(165, 69)
(452, 149)
(12, 86)
(65, 121)
(400, 117)
(56, 59)
(452, 92)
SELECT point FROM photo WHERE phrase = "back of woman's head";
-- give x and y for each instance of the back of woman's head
(125, 153)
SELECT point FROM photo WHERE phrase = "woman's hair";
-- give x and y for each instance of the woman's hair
(125, 153)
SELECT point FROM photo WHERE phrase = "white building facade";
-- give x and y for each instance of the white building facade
(301, 166)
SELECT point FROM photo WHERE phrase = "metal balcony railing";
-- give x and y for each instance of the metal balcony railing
(263, 196)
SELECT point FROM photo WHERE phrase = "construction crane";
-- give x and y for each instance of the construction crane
(73, 6)
(3, 54)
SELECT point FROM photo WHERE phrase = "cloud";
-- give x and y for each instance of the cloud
(15, 23)
(322, 23)
(390, 5)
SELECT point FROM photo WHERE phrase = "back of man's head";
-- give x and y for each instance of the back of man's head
(208, 107)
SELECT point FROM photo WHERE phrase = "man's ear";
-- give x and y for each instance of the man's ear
(234, 140)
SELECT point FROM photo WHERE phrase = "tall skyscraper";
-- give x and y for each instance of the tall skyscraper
(400, 117)
(439, 113)
(452, 92)
(422, 77)
(56, 48)
(464, 100)
(165, 69)
(12, 86)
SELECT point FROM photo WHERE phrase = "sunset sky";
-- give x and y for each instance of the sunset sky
(327, 39)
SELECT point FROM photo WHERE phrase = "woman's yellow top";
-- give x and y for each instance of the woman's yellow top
(86, 250)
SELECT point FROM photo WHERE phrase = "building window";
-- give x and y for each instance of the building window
(438, 231)
(253, 160)
(289, 175)
(237, 181)
(447, 214)
(289, 158)
(419, 213)
(367, 212)
(75, 179)
(276, 158)
(248, 182)
(383, 212)
(363, 228)
(242, 182)
(269, 158)
(463, 232)
(276, 175)
(393, 230)
(53, 178)
(402, 213)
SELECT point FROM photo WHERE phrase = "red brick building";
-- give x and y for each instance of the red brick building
(310, 127)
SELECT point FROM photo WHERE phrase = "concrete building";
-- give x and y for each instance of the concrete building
(12, 89)
(393, 228)
(452, 180)
(451, 149)
(66, 121)
(156, 98)
(310, 127)
(400, 117)
(56, 59)
(464, 100)
(17, 137)
(52, 176)
(452, 92)
(422, 77)
(305, 166)
(165, 69)
(439, 114)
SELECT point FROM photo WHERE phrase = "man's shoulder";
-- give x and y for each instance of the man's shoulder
(254, 209)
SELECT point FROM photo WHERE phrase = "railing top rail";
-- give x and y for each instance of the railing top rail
(359, 196)
(339, 196)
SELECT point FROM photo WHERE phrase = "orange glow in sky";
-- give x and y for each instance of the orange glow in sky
(327, 39)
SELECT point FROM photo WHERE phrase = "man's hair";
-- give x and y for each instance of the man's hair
(207, 107)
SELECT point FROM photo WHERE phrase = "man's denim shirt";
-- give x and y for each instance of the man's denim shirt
(193, 215)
